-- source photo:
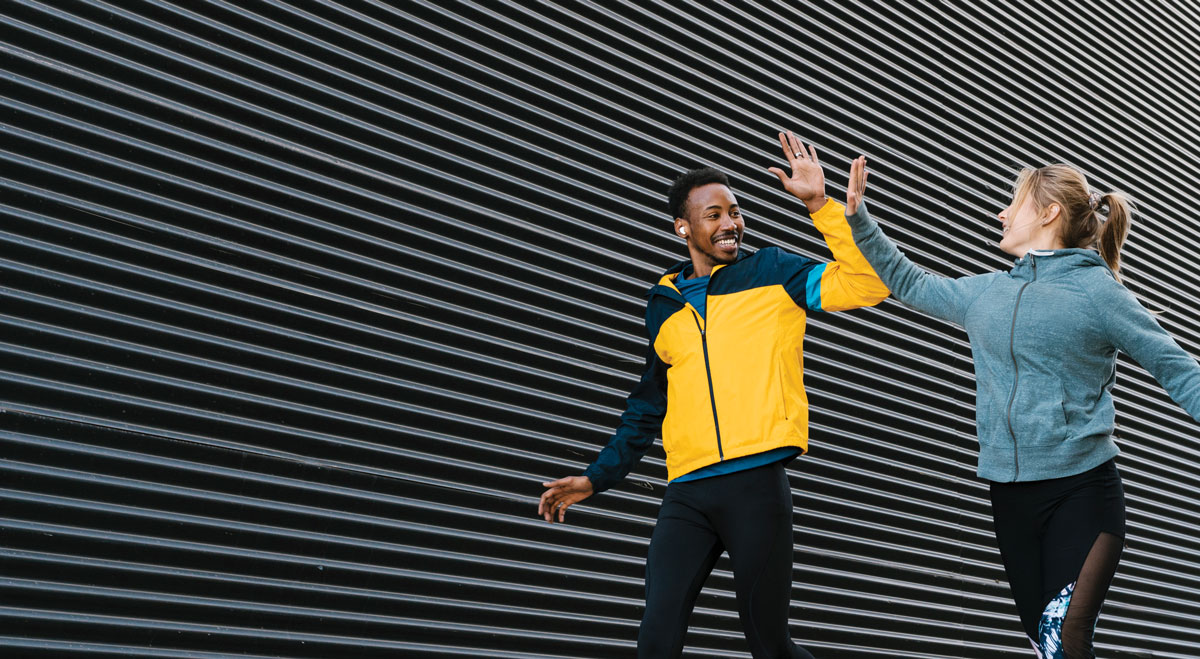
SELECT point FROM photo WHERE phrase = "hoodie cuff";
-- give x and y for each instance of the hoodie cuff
(861, 223)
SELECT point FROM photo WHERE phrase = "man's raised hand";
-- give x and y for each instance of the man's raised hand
(807, 181)
(562, 494)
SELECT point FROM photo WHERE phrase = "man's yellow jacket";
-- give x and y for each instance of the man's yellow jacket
(731, 383)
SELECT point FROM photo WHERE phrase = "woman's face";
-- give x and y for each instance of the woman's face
(1024, 228)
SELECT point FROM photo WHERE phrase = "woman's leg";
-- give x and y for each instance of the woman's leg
(1018, 519)
(1081, 549)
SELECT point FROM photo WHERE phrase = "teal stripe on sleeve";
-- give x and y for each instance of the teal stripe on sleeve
(812, 288)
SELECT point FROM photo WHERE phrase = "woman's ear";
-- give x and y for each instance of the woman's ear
(1052, 213)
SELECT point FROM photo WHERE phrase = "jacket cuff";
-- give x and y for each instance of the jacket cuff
(599, 483)
(832, 210)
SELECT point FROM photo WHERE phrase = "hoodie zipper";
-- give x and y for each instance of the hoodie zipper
(712, 397)
(1016, 370)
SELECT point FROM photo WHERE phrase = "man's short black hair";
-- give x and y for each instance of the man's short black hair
(677, 194)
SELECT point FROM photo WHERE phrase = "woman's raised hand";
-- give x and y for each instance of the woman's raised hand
(857, 188)
(807, 181)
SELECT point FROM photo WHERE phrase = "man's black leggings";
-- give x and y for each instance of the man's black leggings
(748, 513)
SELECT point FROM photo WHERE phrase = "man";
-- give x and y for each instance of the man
(724, 385)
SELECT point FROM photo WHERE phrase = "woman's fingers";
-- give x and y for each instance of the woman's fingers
(856, 187)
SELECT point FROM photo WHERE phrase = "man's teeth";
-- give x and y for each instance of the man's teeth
(727, 242)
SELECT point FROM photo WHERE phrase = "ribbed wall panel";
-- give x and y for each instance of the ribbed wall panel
(301, 301)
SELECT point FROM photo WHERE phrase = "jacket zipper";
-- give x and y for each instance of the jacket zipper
(712, 396)
(1016, 370)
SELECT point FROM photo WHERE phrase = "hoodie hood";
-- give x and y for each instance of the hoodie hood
(1054, 263)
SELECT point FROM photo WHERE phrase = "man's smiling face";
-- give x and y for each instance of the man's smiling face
(714, 226)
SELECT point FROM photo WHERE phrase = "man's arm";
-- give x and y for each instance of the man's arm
(848, 282)
(640, 424)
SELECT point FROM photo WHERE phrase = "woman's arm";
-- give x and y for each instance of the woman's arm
(1135, 331)
(938, 296)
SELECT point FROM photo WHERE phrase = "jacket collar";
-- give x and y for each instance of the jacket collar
(1054, 263)
(666, 281)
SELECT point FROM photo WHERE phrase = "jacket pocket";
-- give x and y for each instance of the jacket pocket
(783, 390)
(1037, 415)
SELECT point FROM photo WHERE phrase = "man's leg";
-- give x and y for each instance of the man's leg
(683, 549)
(756, 526)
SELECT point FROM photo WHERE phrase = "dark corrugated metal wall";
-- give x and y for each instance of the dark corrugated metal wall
(302, 300)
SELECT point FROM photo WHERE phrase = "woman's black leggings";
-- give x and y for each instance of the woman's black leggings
(1061, 540)
(748, 513)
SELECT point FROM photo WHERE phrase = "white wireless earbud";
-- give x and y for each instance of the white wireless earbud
(683, 231)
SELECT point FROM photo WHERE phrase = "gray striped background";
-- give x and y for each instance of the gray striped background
(300, 301)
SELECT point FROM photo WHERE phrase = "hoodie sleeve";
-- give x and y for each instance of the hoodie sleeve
(641, 422)
(941, 297)
(1134, 330)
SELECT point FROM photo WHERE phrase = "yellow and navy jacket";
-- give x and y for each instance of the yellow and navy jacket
(731, 384)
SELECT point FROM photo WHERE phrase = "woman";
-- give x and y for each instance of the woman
(1044, 338)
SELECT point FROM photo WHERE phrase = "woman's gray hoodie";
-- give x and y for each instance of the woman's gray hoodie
(1044, 337)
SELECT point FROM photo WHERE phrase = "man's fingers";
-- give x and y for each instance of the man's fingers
(544, 501)
(783, 178)
(787, 149)
(812, 150)
(797, 148)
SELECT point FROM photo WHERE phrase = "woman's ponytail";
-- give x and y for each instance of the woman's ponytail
(1114, 229)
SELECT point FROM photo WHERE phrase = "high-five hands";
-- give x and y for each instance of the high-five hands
(807, 181)
(563, 493)
(857, 188)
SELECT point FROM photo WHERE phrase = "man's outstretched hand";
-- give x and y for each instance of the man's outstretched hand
(807, 181)
(562, 494)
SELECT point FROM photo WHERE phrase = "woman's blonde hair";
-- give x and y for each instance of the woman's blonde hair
(1082, 222)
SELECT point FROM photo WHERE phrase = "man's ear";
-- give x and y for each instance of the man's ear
(681, 227)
